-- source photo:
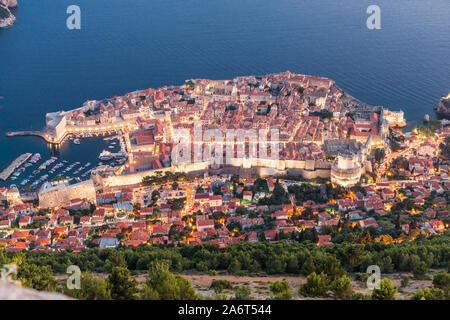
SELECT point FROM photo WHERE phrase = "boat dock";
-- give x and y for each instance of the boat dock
(14, 165)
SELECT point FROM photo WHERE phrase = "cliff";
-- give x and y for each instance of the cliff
(7, 19)
(443, 108)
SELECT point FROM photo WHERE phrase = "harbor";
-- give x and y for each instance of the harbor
(6, 173)
(65, 161)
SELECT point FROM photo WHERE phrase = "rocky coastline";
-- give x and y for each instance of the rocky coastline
(443, 109)
(7, 19)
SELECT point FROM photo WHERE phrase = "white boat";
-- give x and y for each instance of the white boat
(76, 141)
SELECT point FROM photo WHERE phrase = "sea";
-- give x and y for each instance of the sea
(136, 44)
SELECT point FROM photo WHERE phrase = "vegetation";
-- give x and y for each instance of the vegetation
(92, 288)
(219, 285)
(326, 267)
(163, 285)
(387, 291)
(120, 285)
(445, 148)
(281, 290)
(316, 285)
(159, 178)
(280, 258)
(4, 13)
(323, 114)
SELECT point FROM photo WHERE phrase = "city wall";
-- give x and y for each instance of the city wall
(60, 195)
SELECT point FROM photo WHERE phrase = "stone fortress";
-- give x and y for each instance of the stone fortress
(323, 132)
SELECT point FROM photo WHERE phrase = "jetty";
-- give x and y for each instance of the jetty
(26, 133)
(14, 165)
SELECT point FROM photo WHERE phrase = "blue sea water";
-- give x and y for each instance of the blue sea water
(137, 44)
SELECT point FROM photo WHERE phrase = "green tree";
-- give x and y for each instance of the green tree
(387, 291)
(92, 288)
(441, 280)
(34, 276)
(120, 285)
(234, 267)
(420, 270)
(155, 196)
(342, 287)
(219, 285)
(163, 285)
(404, 282)
(281, 290)
(429, 294)
(242, 293)
(316, 285)
(276, 266)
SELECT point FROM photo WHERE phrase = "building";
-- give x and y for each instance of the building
(56, 124)
(346, 170)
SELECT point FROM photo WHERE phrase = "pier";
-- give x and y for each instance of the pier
(26, 133)
(45, 134)
(14, 165)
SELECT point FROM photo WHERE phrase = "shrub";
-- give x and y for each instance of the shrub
(404, 282)
(281, 290)
(316, 285)
(219, 285)
(387, 291)
(428, 294)
(342, 287)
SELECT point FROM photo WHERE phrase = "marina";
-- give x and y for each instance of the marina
(29, 172)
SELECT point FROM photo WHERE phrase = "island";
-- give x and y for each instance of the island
(7, 19)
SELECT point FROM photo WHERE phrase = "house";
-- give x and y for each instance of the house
(387, 194)
(44, 234)
(24, 221)
(161, 229)
(324, 240)
(108, 243)
(66, 220)
(204, 224)
(252, 237)
(85, 221)
(271, 234)
(59, 231)
(346, 204)
(24, 209)
(247, 195)
(324, 216)
(369, 222)
(280, 215)
(215, 201)
(20, 234)
(5, 224)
